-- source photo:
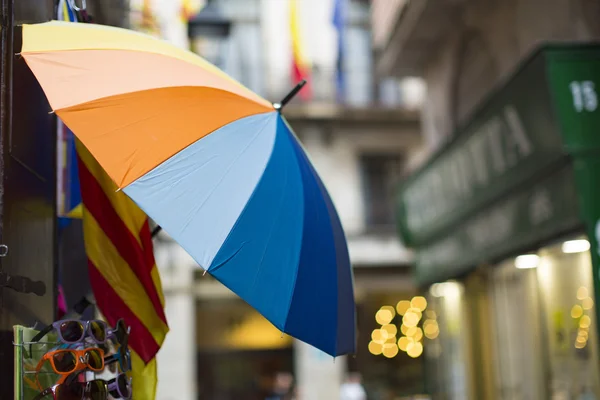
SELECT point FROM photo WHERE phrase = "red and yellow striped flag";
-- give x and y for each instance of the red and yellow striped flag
(301, 68)
(190, 8)
(123, 273)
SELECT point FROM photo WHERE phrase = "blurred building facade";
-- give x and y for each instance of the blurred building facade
(498, 208)
(218, 347)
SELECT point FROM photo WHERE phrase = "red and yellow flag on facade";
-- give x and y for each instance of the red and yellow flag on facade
(300, 65)
(190, 8)
(123, 273)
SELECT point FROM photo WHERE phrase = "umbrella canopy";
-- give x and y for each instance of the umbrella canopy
(213, 163)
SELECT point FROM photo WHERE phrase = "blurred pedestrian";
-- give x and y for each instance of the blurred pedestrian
(282, 387)
(352, 388)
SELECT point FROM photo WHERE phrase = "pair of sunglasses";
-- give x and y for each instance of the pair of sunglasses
(122, 356)
(71, 331)
(66, 362)
(98, 389)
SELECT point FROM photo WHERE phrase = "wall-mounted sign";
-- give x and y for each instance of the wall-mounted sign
(495, 189)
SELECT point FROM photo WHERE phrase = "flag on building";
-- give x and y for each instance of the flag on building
(190, 8)
(339, 22)
(301, 68)
(143, 19)
(122, 270)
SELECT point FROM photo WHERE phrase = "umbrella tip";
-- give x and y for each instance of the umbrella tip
(204, 273)
(290, 95)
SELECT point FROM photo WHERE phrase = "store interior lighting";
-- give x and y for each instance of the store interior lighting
(575, 246)
(445, 289)
(527, 261)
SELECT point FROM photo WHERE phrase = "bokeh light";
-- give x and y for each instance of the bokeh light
(379, 336)
(431, 329)
(403, 343)
(582, 293)
(414, 349)
(587, 303)
(391, 309)
(384, 341)
(384, 317)
(391, 329)
(402, 307)
(576, 311)
(375, 348)
(410, 319)
(390, 350)
(585, 322)
(404, 329)
(418, 335)
(410, 332)
(419, 302)
(415, 311)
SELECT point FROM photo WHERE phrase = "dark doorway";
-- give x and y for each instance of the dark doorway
(27, 185)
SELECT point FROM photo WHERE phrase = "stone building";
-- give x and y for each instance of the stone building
(463, 48)
(504, 68)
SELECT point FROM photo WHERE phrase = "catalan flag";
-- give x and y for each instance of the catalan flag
(189, 9)
(143, 18)
(301, 68)
(123, 273)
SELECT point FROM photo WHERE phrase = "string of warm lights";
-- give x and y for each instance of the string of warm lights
(583, 321)
(413, 328)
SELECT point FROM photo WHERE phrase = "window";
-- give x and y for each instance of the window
(380, 175)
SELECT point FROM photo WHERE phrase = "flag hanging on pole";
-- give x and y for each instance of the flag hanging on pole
(123, 273)
(300, 65)
(190, 8)
(339, 21)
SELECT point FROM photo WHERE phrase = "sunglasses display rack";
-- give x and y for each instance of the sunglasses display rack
(36, 366)
(27, 357)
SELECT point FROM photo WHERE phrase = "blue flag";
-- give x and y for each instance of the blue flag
(339, 22)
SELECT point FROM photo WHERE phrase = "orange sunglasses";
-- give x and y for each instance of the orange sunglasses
(65, 362)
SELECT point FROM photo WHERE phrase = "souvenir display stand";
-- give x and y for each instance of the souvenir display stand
(101, 379)
(27, 356)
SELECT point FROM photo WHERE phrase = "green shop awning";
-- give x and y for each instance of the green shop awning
(520, 172)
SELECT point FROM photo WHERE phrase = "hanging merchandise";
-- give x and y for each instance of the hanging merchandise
(68, 191)
(97, 389)
(63, 361)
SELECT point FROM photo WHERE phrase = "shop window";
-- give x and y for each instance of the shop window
(545, 324)
(380, 175)
(567, 293)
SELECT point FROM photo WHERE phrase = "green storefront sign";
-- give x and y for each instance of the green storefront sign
(525, 169)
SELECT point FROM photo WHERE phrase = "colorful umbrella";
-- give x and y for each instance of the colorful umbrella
(213, 163)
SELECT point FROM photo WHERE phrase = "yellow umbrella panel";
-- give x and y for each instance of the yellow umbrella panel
(131, 125)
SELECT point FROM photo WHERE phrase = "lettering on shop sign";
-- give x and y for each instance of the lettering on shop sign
(540, 207)
(493, 150)
(486, 233)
